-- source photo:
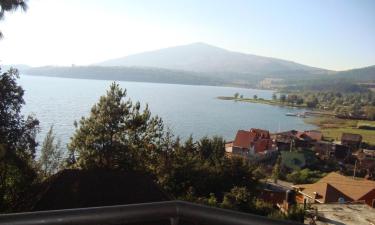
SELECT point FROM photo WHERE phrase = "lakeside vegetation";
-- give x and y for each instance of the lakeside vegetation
(261, 101)
(346, 108)
(343, 100)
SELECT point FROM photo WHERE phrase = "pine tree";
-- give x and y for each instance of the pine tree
(117, 134)
(51, 158)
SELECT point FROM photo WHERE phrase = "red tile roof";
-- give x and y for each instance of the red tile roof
(258, 138)
(244, 139)
(262, 145)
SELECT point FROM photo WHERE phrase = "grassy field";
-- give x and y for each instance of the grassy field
(333, 128)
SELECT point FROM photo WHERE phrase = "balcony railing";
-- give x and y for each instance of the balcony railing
(174, 211)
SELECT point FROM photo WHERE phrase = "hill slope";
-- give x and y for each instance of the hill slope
(360, 74)
(200, 57)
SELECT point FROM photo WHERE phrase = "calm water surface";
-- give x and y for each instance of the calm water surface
(187, 110)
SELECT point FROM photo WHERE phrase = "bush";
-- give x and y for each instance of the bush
(304, 176)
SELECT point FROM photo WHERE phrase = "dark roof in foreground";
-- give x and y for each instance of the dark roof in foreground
(90, 188)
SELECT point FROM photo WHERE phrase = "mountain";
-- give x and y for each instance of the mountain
(360, 74)
(203, 64)
(153, 75)
(201, 57)
(20, 67)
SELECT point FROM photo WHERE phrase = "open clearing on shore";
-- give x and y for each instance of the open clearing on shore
(333, 128)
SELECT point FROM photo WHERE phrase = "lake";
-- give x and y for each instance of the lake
(186, 109)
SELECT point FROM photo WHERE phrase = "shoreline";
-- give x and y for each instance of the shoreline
(225, 85)
(261, 101)
(325, 121)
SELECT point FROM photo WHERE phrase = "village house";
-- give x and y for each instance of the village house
(352, 140)
(297, 139)
(252, 143)
(366, 162)
(327, 150)
(336, 188)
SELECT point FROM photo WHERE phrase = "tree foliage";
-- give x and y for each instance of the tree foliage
(117, 134)
(359, 105)
(17, 142)
(201, 168)
(305, 176)
(276, 171)
(51, 159)
(282, 98)
(10, 5)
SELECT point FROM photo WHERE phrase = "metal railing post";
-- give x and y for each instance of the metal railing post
(174, 220)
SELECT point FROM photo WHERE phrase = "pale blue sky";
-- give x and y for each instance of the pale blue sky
(332, 34)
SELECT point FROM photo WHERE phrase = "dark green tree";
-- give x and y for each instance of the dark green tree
(10, 5)
(51, 159)
(239, 198)
(276, 171)
(117, 134)
(282, 98)
(304, 176)
(211, 148)
(17, 143)
(370, 112)
(299, 101)
(312, 102)
(204, 166)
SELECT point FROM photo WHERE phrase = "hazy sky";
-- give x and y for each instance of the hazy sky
(332, 34)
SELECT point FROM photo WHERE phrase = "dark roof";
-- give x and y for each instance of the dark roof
(315, 135)
(309, 135)
(289, 132)
(260, 133)
(273, 197)
(351, 137)
(83, 188)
